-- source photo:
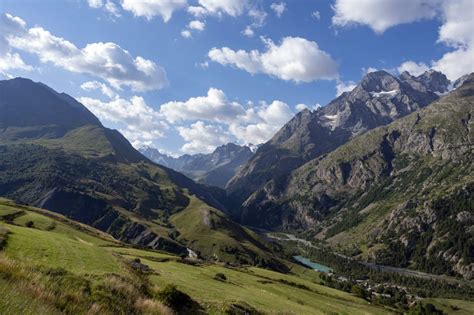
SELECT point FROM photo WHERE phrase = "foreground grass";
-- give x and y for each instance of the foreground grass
(57, 266)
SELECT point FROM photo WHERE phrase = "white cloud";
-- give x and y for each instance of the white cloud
(108, 6)
(342, 87)
(10, 61)
(382, 14)
(213, 107)
(258, 17)
(197, 11)
(456, 63)
(316, 15)
(140, 123)
(300, 107)
(369, 70)
(458, 27)
(249, 124)
(248, 31)
(96, 4)
(456, 30)
(295, 59)
(278, 8)
(103, 88)
(196, 25)
(230, 7)
(151, 8)
(413, 68)
(267, 120)
(107, 61)
(186, 34)
(202, 138)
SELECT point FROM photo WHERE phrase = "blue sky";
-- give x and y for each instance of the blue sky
(244, 89)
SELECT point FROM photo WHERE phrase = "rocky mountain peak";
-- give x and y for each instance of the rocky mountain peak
(379, 81)
(431, 80)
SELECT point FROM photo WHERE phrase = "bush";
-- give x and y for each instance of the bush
(425, 309)
(29, 224)
(220, 276)
(358, 291)
(172, 297)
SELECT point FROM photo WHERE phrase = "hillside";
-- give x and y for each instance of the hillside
(377, 100)
(213, 169)
(56, 155)
(399, 195)
(50, 264)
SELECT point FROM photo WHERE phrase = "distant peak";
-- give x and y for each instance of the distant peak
(379, 81)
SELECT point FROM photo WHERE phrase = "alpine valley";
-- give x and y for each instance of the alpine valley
(376, 187)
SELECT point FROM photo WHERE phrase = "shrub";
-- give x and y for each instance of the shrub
(29, 224)
(220, 276)
(358, 291)
(172, 297)
(3, 237)
(425, 309)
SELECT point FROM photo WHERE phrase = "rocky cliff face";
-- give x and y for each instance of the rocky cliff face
(378, 99)
(400, 194)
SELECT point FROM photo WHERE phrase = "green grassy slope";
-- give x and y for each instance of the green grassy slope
(212, 234)
(55, 154)
(57, 265)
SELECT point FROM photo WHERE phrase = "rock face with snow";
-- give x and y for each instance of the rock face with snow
(213, 169)
(377, 100)
(431, 80)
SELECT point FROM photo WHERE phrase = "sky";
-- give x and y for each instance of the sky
(185, 76)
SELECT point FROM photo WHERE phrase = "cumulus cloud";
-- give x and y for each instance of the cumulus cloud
(103, 88)
(383, 14)
(252, 123)
(278, 8)
(10, 60)
(140, 123)
(196, 25)
(107, 5)
(197, 11)
(300, 107)
(151, 8)
(455, 32)
(219, 7)
(295, 58)
(202, 138)
(193, 26)
(266, 121)
(248, 32)
(342, 87)
(413, 68)
(213, 107)
(186, 34)
(107, 61)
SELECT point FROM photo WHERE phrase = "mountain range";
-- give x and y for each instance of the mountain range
(56, 155)
(382, 174)
(213, 169)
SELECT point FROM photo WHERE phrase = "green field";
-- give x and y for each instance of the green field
(58, 266)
